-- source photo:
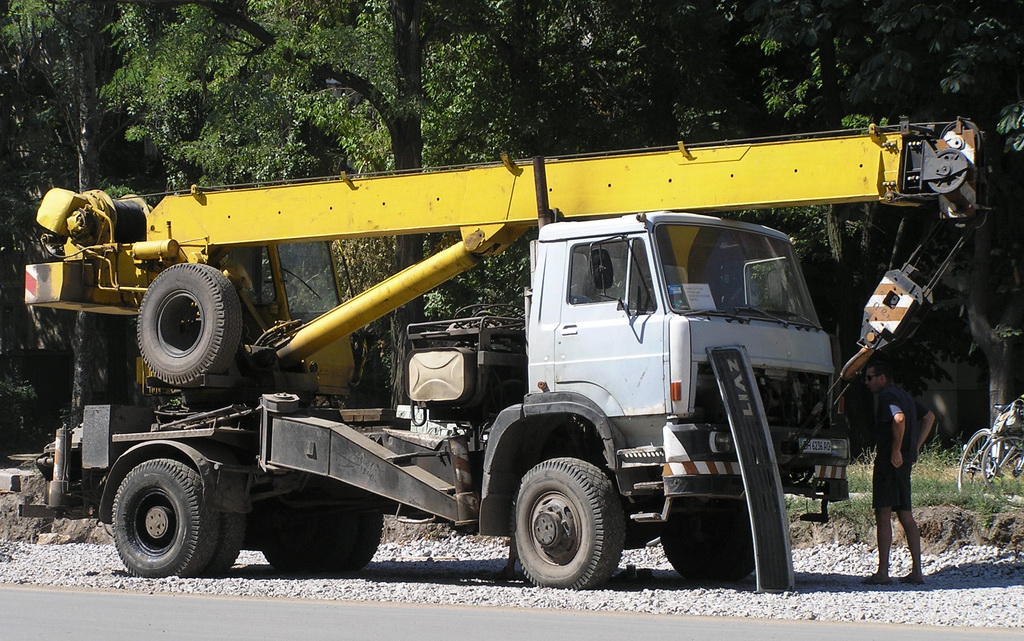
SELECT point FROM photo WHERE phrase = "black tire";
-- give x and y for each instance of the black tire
(162, 526)
(712, 545)
(294, 540)
(190, 323)
(230, 538)
(971, 472)
(368, 532)
(569, 525)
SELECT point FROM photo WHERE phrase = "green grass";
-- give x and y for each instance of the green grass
(934, 484)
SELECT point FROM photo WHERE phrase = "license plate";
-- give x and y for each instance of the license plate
(816, 446)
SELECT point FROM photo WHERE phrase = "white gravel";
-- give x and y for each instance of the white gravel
(972, 586)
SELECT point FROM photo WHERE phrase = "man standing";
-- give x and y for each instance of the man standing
(901, 425)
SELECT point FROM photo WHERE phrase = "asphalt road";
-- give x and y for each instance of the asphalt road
(27, 614)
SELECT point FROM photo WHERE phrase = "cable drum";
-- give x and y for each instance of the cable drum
(130, 217)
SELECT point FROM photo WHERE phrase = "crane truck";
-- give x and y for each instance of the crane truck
(666, 379)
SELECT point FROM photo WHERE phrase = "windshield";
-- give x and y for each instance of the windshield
(308, 279)
(733, 271)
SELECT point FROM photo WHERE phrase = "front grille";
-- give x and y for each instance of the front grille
(789, 397)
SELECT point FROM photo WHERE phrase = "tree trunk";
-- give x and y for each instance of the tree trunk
(848, 303)
(89, 341)
(1001, 382)
(406, 131)
(995, 318)
(832, 112)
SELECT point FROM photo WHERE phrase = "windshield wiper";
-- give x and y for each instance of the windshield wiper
(742, 313)
(727, 314)
(784, 318)
(750, 309)
(795, 318)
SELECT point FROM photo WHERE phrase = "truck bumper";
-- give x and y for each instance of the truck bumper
(715, 480)
(700, 461)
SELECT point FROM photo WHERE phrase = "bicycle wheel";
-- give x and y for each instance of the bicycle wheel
(971, 473)
(1003, 463)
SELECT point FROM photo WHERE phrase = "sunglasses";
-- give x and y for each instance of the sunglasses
(868, 377)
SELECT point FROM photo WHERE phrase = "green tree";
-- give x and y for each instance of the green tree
(895, 58)
(472, 77)
(208, 71)
(581, 76)
(64, 45)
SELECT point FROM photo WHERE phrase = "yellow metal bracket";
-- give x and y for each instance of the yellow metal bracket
(196, 192)
(879, 137)
(488, 240)
(509, 164)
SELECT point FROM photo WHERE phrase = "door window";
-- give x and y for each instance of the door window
(606, 271)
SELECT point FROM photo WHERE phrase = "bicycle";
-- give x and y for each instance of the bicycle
(995, 456)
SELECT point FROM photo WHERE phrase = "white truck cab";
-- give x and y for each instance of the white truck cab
(624, 311)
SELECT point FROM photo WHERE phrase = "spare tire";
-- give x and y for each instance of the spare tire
(190, 323)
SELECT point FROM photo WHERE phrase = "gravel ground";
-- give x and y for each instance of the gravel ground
(972, 586)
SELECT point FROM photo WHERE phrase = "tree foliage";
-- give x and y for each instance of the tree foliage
(232, 91)
(838, 60)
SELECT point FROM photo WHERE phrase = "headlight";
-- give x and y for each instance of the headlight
(720, 442)
(841, 448)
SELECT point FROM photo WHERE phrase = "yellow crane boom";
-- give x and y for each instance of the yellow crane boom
(114, 249)
(840, 168)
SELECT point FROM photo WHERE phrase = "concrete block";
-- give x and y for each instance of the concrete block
(10, 480)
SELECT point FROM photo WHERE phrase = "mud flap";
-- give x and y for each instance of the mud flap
(763, 486)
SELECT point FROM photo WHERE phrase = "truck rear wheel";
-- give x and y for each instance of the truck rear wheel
(569, 525)
(369, 529)
(295, 540)
(162, 525)
(712, 545)
(190, 323)
(229, 543)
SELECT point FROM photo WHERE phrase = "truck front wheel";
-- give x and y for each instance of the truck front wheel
(569, 525)
(162, 525)
(711, 545)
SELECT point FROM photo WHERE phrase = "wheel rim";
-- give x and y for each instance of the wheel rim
(1003, 463)
(180, 324)
(155, 523)
(555, 528)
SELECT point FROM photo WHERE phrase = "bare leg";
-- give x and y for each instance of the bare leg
(913, 533)
(883, 527)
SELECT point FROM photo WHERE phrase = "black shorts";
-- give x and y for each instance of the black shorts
(890, 486)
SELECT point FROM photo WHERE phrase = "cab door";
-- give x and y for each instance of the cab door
(610, 339)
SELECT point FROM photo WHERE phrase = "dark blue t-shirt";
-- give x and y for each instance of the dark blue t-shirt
(891, 401)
